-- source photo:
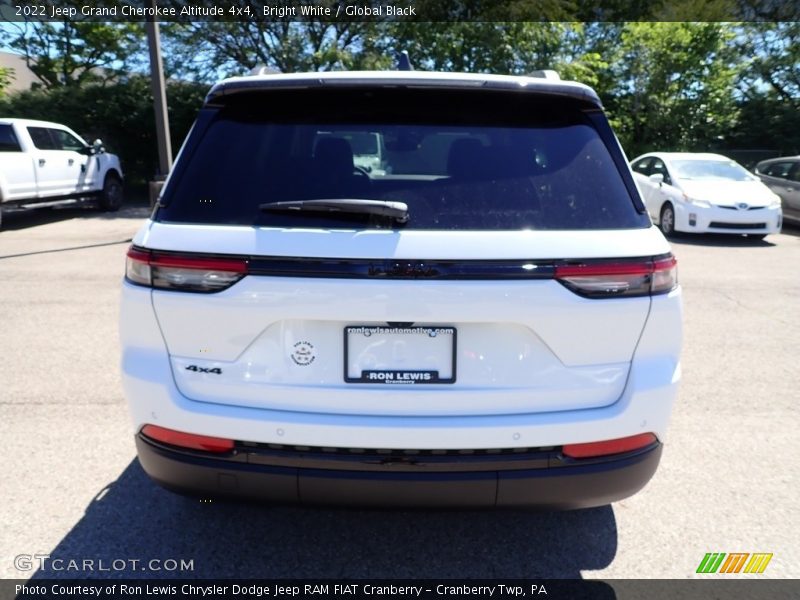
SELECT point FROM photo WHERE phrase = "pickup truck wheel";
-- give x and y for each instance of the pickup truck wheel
(111, 196)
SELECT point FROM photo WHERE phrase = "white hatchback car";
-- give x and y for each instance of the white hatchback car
(705, 193)
(489, 319)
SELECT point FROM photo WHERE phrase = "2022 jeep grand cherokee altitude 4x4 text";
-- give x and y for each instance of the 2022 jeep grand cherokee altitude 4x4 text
(485, 318)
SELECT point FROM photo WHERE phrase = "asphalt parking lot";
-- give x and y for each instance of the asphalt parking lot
(73, 489)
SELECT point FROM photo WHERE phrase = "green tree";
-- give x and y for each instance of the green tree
(774, 49)
(234, 48)
(6, 75)
(74, 53)
(673, 85)
(769, 88)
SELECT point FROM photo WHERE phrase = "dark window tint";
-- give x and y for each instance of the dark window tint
(658, 167)
(42, 139)
(545, 170)
(8, 140)
(778, 170)
(643, 166)
(794, 174)
(65, 140)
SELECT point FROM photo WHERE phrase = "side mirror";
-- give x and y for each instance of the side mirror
(98, 147)
(657, 178)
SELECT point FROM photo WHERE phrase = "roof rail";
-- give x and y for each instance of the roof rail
(546, 74)
(264, 70)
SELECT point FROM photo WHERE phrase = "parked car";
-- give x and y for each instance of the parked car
(489, 320)
(705, 193)
(47, 163)
(782, 176)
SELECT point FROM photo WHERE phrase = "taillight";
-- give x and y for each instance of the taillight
(182, 272)
(620, 278)
(187, 440)
(608, 447)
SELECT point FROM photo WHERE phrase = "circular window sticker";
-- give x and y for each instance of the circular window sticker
(303, 354)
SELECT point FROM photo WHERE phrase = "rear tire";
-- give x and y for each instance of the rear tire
(666, 221)
(111, 196)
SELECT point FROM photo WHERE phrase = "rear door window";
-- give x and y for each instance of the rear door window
(8, 139)
(41, 138)
(456, 169)
(780, 170)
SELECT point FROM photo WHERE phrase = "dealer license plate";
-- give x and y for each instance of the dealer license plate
(399, 355)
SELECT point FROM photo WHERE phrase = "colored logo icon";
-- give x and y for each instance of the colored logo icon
(736, 562)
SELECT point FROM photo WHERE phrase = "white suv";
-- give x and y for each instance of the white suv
(489, 319)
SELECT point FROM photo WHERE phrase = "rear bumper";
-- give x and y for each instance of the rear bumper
(540, 479)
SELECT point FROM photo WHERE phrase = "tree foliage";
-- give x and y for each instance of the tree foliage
(774, 58)
(120, 113)
(234, 48)
(670, 85)
(673, 86)
(6, 75)
(71, 53)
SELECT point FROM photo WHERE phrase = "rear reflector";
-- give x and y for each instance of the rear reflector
(183, 272)
(623, 278)
(607, 447)
(187, 440)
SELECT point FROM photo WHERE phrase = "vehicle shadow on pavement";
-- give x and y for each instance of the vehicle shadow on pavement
(721, 240)
(133, 518)
(17, 219)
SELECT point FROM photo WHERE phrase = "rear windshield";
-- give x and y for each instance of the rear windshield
(501, 162)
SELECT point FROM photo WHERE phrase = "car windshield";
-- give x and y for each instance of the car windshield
(471, 169)
(710, 169)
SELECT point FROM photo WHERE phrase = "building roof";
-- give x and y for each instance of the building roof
(23, 77)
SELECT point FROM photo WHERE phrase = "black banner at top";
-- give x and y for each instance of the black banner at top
(399, 10)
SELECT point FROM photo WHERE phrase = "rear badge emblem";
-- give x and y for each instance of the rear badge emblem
(196, 369)
(303, 354)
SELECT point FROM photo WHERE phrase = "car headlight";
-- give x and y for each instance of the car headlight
(775, 202)
(697, 202)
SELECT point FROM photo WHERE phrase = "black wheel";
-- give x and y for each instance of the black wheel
(111, 196)
(667, 220)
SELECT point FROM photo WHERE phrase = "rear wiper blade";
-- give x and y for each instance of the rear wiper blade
(354, 206)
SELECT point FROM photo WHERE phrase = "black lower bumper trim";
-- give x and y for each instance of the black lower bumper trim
(596, 483)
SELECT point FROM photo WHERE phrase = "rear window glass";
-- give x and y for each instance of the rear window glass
(8, 140)
(40, 136)
(457, 165)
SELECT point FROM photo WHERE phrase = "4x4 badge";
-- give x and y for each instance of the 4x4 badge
(196, 369)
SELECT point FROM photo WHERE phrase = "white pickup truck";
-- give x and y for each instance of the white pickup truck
(47, 164)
